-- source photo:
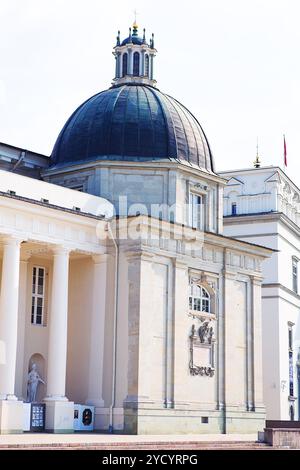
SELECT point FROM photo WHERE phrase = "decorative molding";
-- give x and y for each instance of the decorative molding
(281, 286)
(199, 186)
(202, 339)
(100, 259)
(61, 250)
(206, 331)
(12, 240)
(179, 263)
(31, 222)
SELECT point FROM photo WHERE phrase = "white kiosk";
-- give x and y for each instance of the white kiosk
(83, 417)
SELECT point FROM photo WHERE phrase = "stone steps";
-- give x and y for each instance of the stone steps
(116, 446)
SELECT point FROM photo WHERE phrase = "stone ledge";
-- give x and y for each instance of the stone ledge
(282, 437)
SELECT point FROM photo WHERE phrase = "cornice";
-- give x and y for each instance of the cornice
(262, 217)
(282, 287)
(162, 164)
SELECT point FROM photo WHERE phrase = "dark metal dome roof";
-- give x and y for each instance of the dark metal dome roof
(133, 40)
(132, 123)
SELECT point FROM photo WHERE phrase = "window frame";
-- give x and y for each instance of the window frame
(136, 64)
(295, 272)
(201, 299)
(197, 215)
(124, 64)
(35, 296)
(233, 208)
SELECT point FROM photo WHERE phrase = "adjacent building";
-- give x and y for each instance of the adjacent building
(262, 205)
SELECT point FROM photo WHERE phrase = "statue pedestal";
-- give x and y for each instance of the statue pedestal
(59, 416)
(11, 417)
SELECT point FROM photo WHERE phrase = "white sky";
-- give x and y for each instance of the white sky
(235, 64)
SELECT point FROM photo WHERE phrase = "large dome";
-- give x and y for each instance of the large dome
(132, 123)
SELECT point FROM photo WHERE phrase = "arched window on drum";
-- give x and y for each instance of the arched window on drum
(136, 64)
(199, 298)
(124, 64)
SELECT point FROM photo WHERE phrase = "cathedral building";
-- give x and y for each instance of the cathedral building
(119, 289)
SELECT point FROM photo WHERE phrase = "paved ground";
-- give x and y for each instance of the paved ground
(77, 438)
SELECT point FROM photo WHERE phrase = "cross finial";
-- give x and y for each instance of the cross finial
(257, 159)
(135, 16)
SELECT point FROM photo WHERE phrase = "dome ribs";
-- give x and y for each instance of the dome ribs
(132, 122)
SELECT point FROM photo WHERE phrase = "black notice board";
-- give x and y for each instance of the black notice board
(37, 417)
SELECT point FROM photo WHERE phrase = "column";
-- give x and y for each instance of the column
(97, 337)
(130, 62)
(58, 332)
(11, 410)
(116, 72)
(257, 345)
(229, 385)
(220, 372)
(23, 309)
(142, 64)
(140, 340)
(151, 66)
(9, 317)
(220, 208)
(249, 348)
(119, 65)
(180, 293)
(59, 411)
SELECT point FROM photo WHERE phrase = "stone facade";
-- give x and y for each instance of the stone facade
(161, 190)
(128, 282)
(267, 209)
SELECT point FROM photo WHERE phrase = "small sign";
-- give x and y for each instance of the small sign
(37, 418)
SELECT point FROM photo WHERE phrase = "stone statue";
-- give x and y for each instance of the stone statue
(32, 383)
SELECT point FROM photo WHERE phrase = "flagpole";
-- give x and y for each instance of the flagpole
(284, 153)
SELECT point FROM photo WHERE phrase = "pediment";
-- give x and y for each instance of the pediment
(234, 182)
(274, 178)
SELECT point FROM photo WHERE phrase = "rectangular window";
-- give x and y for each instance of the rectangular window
(295, 275)
(196, 211)
(233, 209)
(38, 295)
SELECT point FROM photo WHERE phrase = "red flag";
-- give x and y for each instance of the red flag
(284, 151)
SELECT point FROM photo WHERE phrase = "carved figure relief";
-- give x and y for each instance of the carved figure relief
(206, 331)
(202, 349)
